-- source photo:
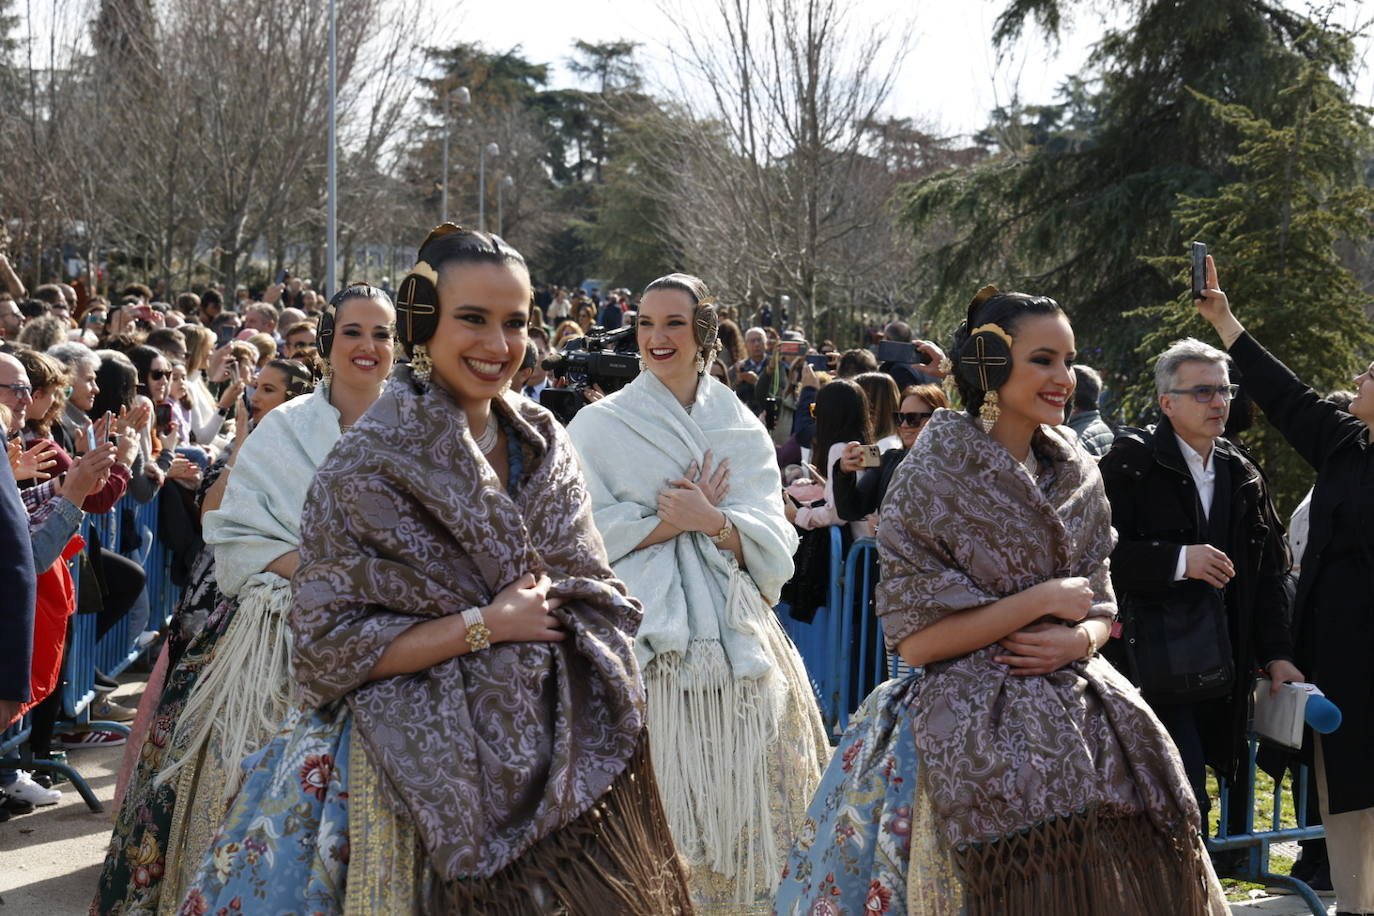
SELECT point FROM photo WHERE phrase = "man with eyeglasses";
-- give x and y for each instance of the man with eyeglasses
(1198, 570)
(15, 391)
(11, 318)
(301, 339)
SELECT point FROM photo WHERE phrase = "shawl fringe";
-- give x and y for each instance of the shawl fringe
(1086, 862)
(617, 857)
(244, 695)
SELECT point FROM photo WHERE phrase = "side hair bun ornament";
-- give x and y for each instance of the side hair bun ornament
(984, 361)
(417, 306)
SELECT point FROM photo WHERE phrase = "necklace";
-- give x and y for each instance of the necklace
(1032, 465)
(487, 441)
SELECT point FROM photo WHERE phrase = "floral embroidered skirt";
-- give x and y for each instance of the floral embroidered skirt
(142, 854)
(286, 844)
(868, 844)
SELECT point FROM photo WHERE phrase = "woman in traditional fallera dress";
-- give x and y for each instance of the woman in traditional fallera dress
(230, 690)
(1019, 773)
(471, 732)
(688, 499)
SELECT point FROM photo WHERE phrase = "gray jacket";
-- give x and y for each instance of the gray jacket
(1093, 432)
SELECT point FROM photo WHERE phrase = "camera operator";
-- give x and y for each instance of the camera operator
(539, 378)
(588, 368)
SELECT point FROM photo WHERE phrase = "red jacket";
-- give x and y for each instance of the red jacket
(56, 602)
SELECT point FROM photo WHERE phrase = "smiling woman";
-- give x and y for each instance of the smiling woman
(1017, 772)
(688, 500)
(451, 580)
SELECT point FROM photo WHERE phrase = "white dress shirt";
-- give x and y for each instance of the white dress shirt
(1205, 479)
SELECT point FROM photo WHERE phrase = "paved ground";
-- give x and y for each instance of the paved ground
(50, 859)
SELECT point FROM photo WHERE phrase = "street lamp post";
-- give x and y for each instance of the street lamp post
(332, 176)
(462, 96)
(502, 186)
(490, 149)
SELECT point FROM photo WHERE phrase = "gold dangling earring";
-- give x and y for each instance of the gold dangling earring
(328, 369)
(420, 364)
(989, 412)
(700, 363)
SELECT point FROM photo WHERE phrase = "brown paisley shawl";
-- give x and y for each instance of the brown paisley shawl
(491, 753)
(1059, 793)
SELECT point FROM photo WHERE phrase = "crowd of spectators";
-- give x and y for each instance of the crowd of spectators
(103, 397)
(128, 394)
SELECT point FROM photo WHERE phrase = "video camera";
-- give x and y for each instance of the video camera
(607, 359)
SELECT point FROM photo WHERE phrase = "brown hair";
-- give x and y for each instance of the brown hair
(199, 342)
(933, 395)
(883, 400)
(45, 372)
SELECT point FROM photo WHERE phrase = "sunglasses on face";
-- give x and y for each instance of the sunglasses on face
(914, 418)
(157, 375)
(1204, 394)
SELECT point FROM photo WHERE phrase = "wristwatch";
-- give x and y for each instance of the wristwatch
(726, 530)
(478, 637)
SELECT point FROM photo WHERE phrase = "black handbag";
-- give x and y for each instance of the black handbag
(1178, 643)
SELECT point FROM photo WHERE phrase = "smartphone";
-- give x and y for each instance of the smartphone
(225, 334)
(899, 351)
(869, 456)
(162, 416)
(792, 347)
(1199, 269)
(109, 426)
(818, 361)
(283, 277)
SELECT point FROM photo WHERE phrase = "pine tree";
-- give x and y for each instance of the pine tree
(1276, 234)
(1089, 187)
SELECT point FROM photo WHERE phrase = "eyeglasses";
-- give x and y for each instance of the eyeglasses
(1204, 394)
(95, 318)
(23, 391)
(916, 418)
(157, 375)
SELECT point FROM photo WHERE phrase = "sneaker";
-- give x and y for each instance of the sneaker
(13, 805)
(27, 790)
(105, 709)
(79, 740)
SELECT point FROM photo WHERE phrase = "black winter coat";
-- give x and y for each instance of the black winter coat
(1334, 609)
(1155, 510)
(858, 496)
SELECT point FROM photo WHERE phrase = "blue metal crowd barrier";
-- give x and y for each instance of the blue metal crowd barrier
(818, 641)
(1256, 843)
(111, 653)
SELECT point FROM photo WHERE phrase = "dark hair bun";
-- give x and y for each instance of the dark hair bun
(417, 306)
(982, 343)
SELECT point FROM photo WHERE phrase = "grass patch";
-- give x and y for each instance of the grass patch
(1279, 863)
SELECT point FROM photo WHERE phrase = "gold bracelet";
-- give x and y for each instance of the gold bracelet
(478, 636)
(1092, 643)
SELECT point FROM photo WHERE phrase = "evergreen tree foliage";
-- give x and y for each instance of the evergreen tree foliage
(1076, 193)
(1275, 233)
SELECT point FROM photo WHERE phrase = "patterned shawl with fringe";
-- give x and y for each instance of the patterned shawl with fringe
(1050, 790)
(490, 752)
